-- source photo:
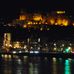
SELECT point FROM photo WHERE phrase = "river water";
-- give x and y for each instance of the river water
(36, 65)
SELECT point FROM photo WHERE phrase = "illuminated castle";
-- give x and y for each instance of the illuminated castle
(27, 20)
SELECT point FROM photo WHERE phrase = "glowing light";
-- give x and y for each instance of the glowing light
(73, 23)
(20, 51)
(9, 56)
(14, 52)
(22, 17)
(54, 59)
(38, 39)
(39, 22)
(67, 50)
(59, 21)
(25, 26)
(25, 46)
(38, 48)
(31, 51)
(6, 44)
(31, 47)
(52, 21)
(55, 49)
(54, 44)
(10, 45)
(37, 17)
(70, 44)
(63, 45)
(36, 52)
(17, 44)
(7, 40)
(2, 55)
(54, 66)
(56, 23)
(6, 56)
(67, 67)
(60, 12)
(73, 52)
(65, 22)
(41, 29)
(26, 51)
(19, 61)
(29, 22)
(46, 23)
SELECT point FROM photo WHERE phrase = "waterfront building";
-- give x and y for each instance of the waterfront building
(7, 41)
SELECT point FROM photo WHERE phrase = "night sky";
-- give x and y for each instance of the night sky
(11, 8)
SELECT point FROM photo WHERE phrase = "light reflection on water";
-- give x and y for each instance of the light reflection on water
(54, 66)
(36, 65)
(67, 67)
(33, 68)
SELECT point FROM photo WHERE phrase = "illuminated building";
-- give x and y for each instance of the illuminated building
(16, 44)
(22, 17)
(37, 17)
(27, 20)
(7, 41)
(65, 22)
(59, 21)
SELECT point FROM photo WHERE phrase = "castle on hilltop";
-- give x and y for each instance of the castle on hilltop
(27, 20)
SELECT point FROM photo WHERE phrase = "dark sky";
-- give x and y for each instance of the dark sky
(11, 8)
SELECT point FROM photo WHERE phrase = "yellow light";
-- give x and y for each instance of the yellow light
(10, 45)
(22, 17)
(37, 17)
(56, 23)
(52, 21)
(46, 23)
(59, 21)
(73, 24)
(65, 22)
(33, 22)
(25, 46)
(60, 12)
(6, 56)
(39, 22)
(29, 22)
(36, 23)
(6, 44)
(9, 56)
(25, 26)
(31, 47)
(54, 59)
(7, 40)
(55, 48)
(17, 45)
(69, 48)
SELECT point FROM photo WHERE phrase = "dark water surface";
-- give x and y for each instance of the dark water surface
(36, 65)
